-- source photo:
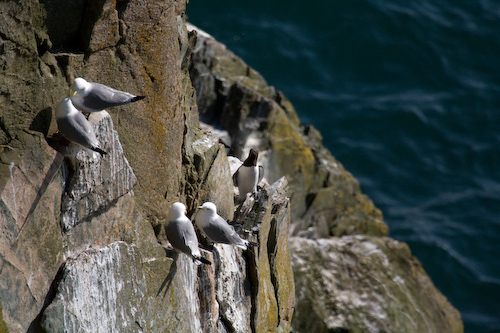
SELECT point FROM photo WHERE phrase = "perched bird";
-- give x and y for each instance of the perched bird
(248, 175)
(180, 233)
(73, 125)
(94, 97)
(217, 229)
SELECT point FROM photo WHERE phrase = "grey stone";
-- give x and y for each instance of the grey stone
(100, 291)
(365, 284)
(73, 235)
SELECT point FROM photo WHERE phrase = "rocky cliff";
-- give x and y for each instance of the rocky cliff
(349, 276)
(82, 248)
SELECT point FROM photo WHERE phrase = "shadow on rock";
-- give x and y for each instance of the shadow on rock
(171, 273)
(41, 122)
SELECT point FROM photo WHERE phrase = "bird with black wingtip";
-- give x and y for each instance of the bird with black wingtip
(180, 233)
(95, 97)
(217, 229)
(73, 125)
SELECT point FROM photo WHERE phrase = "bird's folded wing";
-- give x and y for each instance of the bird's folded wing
(100, 97)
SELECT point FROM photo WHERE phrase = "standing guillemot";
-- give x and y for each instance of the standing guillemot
(248, 175)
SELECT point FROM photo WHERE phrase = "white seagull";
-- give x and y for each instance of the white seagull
(95, 97)
(217, 229)
(73, 125)
(180, 233)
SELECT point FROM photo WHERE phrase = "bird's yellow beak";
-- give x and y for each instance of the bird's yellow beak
(199, 207)
(185, 212)
(72, 93)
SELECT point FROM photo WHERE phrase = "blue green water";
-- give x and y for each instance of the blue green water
(407, 97)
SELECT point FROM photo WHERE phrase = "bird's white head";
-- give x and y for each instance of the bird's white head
(209, 207)
(178, 209)
(64, 108)
(78, 85)
(206, 211)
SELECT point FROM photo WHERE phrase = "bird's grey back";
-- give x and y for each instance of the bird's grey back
(220, 232)
(100, 97)
(76, 128)
(182, 236)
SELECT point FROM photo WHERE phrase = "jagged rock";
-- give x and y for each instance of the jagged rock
(30, 235)
(365, 284)
(275, 294)
(210, 178)
(96, 182)
(121, 287)
(101, 25)
(87, 254)
(100, 290)
(232, 289)
(145, 59)
(233, 97)
(249, 290)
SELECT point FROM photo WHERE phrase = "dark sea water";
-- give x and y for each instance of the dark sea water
(407, 97)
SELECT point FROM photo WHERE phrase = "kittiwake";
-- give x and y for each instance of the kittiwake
(180, 233)
(248, 175)
(217, 229)
(95, 97)
(73, 125)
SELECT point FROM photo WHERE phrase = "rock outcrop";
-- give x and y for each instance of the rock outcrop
(348, 275)
(376, 285)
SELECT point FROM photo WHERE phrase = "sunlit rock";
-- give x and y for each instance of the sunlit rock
(365, 284)
(96, 182)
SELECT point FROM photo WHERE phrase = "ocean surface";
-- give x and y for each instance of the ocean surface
(407, 96)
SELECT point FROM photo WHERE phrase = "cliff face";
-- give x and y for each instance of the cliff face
(82, 247)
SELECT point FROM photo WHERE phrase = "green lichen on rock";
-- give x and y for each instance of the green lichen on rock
(274, 297)
(34, 79)
(112, 255)
(3, 326)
